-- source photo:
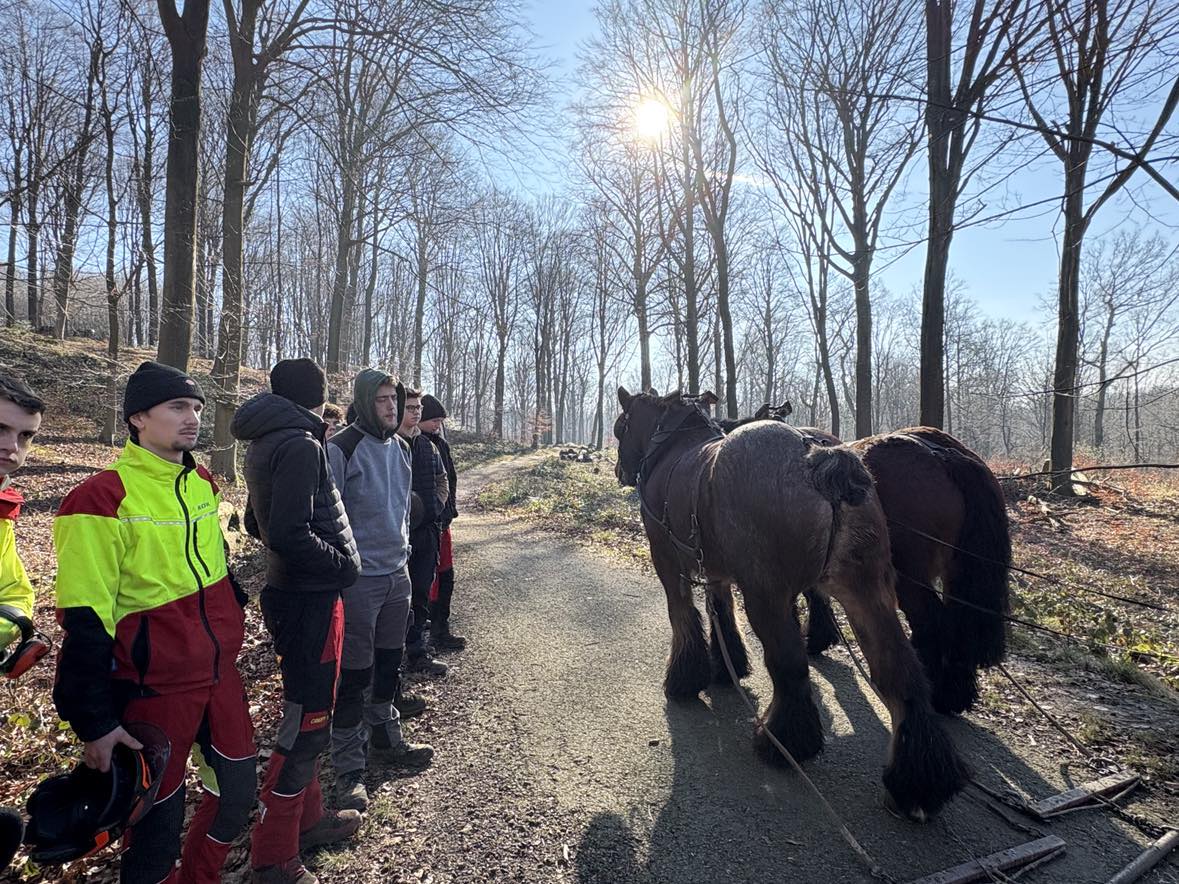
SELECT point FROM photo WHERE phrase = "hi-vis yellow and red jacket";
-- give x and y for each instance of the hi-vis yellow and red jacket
(15, 589)
(143, 589)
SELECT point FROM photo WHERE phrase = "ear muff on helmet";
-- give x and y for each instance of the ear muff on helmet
(31, 647)
(75, 815)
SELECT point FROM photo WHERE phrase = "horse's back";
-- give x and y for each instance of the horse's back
(763, 503)
(913, 482)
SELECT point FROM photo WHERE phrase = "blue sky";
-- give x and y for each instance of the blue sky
(1006, 267)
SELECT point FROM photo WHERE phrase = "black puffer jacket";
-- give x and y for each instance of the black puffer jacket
(294, 507)
(426, 464)
(443, 447)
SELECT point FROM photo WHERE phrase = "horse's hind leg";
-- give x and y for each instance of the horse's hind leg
(822, 632)
(953, 681)
(792, 717)
(720, 603)
(923, 769)
(688, 667)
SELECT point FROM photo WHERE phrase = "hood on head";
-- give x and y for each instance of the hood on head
(364, 396)
(268, 412)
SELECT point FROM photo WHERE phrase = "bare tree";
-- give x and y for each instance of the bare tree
(995, 33)
(75, 181)
(251, 67)
(186, 32)
(1107, 54)
(499, 228)
(832, 65)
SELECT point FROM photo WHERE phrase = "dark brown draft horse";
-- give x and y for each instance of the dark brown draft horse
(951, 547)
(765, 510)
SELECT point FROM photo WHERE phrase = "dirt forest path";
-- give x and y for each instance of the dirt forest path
(559, 760)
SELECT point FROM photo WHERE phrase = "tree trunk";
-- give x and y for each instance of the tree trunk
(10, 266)
(497, 424)
(340, 278)
(726, 323)
(186, 36)
(419, 307)
(1102, 373)
(600, 408)
(691, 315)
(370, 289)
(1064, 375)
(72, 197)
(34, 244)
(861, 268)
(644, 335)
(111, 412)
(827, 370)
(940, 120)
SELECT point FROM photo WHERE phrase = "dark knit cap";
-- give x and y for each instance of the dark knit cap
(153, 383)
(432, 408)
(300, 380)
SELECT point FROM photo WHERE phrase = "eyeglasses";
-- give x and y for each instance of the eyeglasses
(413, 408)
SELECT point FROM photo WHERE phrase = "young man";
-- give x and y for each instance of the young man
(334, 418)
(433, 416)
(20, 418)
(423, 537)
(371, 468)
(295, 510)
(153, 626)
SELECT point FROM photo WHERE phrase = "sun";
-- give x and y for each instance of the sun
(652, 118)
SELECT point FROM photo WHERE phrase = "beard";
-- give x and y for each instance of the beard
(185, 444)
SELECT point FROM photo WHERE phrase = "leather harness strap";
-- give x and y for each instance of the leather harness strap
(658, 438)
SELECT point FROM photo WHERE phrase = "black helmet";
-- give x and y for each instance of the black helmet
(31, 647)
(77, 814)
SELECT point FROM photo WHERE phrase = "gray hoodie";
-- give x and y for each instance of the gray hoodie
(371, 467)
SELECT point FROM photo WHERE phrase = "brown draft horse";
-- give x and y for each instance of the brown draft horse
(947, 523)
(764, 509)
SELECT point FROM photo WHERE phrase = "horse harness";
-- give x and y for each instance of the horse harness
(691, 547)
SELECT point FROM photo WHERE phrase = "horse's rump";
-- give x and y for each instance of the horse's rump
(979, 553)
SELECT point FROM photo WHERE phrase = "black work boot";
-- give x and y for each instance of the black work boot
(440, 635)
(444, 640)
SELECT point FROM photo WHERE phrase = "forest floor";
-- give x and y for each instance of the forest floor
(558, 758)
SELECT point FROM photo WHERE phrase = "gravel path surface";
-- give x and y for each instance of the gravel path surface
(558, 758)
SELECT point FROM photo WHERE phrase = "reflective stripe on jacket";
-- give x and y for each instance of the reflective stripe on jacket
(143, 590)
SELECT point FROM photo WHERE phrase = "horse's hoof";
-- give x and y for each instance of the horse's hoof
(916, 815)
(802, 747)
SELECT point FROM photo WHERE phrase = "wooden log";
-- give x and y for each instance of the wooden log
(1107, 785)
(1148, 859)
(1001, 861)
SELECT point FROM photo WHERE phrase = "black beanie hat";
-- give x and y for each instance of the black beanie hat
(153, 383)
(432, 408)
(300, 380)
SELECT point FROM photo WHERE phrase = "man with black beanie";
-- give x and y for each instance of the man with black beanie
(442, 590)
(153, 624)
(423, 536)
(296, 511)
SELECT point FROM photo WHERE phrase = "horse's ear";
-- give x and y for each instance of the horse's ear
(624, 398)
(708, 398)
(652, 392)
(784, 409)
(762, 413)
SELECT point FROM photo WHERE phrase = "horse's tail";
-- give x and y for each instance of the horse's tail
(977, 627)
(839, 475)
